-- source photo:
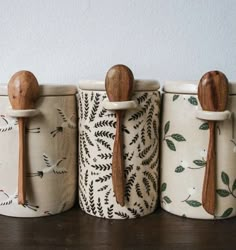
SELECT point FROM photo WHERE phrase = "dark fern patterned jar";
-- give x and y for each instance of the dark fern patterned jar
(141, 151)
(51, 169)
(184, 142)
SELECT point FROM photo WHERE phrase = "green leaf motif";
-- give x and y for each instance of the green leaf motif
(167, 199)
(193, 100)
(163, 187)
(193, 203)
(170, 145)
(227, 212)
(204, 126)
(178, 137)
(167, 127)
(234, 185)
(225, 178)
(175, 97)
(179, 169)
(222, 192)
(199, 162)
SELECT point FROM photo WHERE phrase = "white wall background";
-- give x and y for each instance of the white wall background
(63, 41)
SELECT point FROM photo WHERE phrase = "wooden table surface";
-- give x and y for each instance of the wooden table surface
(76, 230)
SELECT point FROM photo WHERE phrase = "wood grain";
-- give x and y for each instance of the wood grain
(119, 86)
(23, 91)
(213, 96)
(76, 230)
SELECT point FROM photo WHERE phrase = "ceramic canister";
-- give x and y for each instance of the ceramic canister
(185, 136)
(97, 124)
(51, 140)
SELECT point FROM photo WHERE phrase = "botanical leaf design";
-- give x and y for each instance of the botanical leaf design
(135, 138)
(167, 127)
(104, 143)
(94, 108)
(143, 136)
(86, 178)
(143, 153)
(99, 208)
(131, 156)
(105, 156)
(146, 204)
(222, 192)
(102, 112)
(163, 187)
(103, 188)
(142, 98)
(105, 123)
(103, 133)
(170, 145)
(106, 199)
(140, 113)
(148, 160)
(225, 178)
(136, 126)
(138, 190)
(128, 169)
(227, 212)
(88, 139)
(86, 106)
(91, 198)
(151, 178)
(179, 169)
(134, 212)
(110, 211)
(104, 178)
(234, 185)
(193, 100)
(199, 162)
(129, 186)
(122, 215)
(155, 128)
(102, 167)
(147, 185)
(193, 203)
(178, 137)
(175, 97)
(149, 121)
(204, 126)
(167, 199)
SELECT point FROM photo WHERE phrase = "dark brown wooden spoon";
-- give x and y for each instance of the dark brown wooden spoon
(23, 91)
(213, 96)
(119, 86)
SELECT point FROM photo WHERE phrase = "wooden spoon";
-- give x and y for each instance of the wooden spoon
(23, 91)
(213, 96)
(119, 86)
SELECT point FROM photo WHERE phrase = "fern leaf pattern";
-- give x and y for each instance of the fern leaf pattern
(96, 137)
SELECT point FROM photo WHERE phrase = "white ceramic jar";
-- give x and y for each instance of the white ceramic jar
(184, 144)
(141, 150)
(51, 153)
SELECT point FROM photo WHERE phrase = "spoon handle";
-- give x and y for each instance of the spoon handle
(117, 162)
(209, 185)
(21, 167)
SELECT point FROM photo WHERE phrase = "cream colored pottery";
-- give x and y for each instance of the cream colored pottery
(51, 146)
(141, 147)
(184, 144)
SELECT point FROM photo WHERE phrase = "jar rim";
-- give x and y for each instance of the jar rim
(48, 90)
(140, 85)
(189, 87)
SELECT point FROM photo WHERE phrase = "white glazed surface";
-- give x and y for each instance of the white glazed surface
(141, 140)
(183, 165)
(51, 169)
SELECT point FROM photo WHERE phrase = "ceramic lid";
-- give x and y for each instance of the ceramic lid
(140, 85)
(48, 90)
(190, 87)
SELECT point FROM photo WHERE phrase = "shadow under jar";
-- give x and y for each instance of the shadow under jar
(184, 142)
(97, 123)
(51, 153)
